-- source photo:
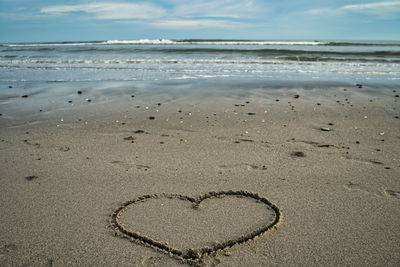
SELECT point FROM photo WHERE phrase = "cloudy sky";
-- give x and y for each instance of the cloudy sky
(85, 20)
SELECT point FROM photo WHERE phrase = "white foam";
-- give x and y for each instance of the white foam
(142, 41)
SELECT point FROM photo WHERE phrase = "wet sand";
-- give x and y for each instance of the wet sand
(330, 163)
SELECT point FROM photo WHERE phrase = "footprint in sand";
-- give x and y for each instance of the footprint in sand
(392, 193)
(243, 165)
(62, 148)
(387, 193)
(130, 166)
(369, 161)
(350, 186)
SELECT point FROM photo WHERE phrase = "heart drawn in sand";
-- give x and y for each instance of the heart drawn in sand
(194, 227)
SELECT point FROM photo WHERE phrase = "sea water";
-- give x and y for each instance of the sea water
(161, 60)
(54, 68)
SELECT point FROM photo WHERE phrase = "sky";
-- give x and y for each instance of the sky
(88, 20)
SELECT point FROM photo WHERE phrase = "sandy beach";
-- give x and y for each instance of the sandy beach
(329, 161)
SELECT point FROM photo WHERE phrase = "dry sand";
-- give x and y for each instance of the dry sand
(63, 173)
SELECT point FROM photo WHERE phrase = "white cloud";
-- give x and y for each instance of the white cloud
(372, 5)
(107, 10)
(179, 15)
(193, 23)
(376, 8)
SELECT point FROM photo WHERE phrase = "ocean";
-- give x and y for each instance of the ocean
(159, 60)
(34, 68)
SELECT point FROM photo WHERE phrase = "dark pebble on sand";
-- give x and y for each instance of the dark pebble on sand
(359, 85)
(277, 100)
(396, 117)
(296, 96)
(70, 101)
(1, 114)
(132, 96)
(152, 118)
(158, 104)
(396, 96)
(318, 104)
(9, 86)
(180, 111)
(383, 140)
(378, 150)
(129, 138)
(31, 177)
(79, 92)
(138, 132)
(298, 154)
(247, 102)
(331, 124)
(88, 100)
(387, 168)
(25, 96)
(357, 142)
(251, 113)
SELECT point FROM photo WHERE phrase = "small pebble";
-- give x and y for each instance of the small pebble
(10, 86)
(396, 96)
(24, 96)
(31, 177)
(152, 118)
(79, 92)
(296, 96)
(326, 129)
(357, 142)
(251, 113)
(298, 154)
(132, 96)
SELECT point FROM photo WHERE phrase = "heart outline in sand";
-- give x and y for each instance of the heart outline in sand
(191, 256)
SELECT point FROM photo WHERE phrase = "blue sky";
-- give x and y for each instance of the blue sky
(85, 20)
